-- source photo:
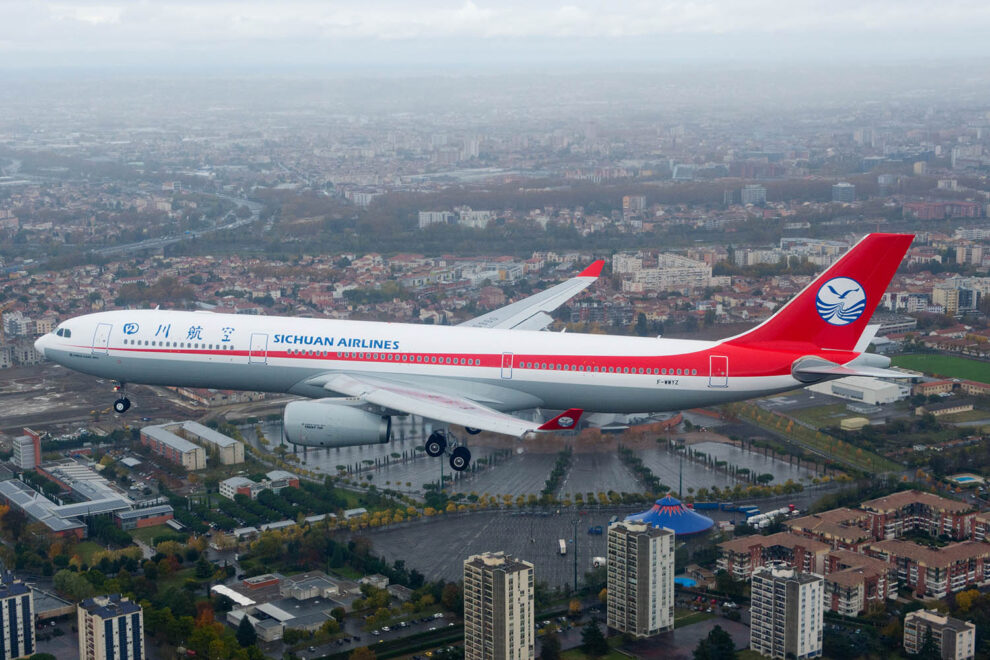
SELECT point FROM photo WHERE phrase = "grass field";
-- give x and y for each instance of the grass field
(85, 550)
(821, 416)
(686, 618)
(146, 534)
(947, 366)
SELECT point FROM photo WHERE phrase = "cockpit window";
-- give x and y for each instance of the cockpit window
(64, 332)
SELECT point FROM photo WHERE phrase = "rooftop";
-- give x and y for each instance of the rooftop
(780, 539)
(206, 434)
(932, 557)
(108, 607)
(897, 501)
(497, 559)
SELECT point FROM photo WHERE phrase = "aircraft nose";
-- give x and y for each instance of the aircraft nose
(39, 344)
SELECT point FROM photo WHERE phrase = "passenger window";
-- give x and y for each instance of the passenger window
(694, 372)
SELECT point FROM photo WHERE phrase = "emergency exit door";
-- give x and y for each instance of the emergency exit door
(507, 365)
(718, 372)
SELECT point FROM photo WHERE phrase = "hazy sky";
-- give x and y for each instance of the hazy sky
(334, 34)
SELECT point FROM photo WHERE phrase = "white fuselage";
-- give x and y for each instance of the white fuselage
(505, 369)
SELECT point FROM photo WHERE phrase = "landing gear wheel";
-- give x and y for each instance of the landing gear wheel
(122, 405)
(472, 431)
(460, 459)
(436, 444)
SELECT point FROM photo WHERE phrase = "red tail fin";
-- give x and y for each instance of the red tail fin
(833, 311)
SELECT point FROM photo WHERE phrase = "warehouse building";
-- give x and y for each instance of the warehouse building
(872, 391)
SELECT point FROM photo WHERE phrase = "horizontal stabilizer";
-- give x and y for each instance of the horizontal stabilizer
(817, 372)
(564, 421)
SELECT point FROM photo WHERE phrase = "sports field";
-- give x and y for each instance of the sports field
(946, 366)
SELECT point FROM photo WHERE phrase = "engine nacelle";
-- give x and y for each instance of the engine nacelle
(331, 423)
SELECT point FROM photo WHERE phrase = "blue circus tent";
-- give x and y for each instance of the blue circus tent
(670, 513)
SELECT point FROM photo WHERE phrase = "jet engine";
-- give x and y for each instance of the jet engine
(334, 423)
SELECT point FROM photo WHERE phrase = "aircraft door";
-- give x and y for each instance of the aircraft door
(507, 365)
(259, 348)
(718, 373)
(101, 339)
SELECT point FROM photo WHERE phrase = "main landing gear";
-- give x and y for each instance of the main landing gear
(123, 404)
(441, 442)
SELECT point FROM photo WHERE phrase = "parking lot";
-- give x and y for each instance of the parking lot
(438, 548)
(598, 472)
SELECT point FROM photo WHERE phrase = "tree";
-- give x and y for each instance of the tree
(246, 635)
(593, 642)
(717, 646)
(550, 646)
(362, 653)
(929, 650)
(450, 597)
(574, 607)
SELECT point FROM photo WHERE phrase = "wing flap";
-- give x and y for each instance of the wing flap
(435, 405)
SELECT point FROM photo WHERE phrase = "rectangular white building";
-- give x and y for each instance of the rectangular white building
(787, 612)
(640, 579)
(17, 618)
(110, 628)
(954, 639)
(498, 608)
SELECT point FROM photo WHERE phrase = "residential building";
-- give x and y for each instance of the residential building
(753, 194)
(427, 218)
(27, 452)
(935, 573)
(498, 608)
(853, 582)
(226, 450)
(17, 612)
(110, 628)
(841, 529)
(174, 448)
(740, 557)
(786, 613)
(844, 192)
(640, 560)
(894, 515)
(954, 639)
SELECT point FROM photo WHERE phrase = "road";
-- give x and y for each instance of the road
(162, 241)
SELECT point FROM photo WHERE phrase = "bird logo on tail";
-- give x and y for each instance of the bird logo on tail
(840, 301)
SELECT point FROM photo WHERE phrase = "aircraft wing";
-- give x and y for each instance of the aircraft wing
(442, 407)
(533, 313)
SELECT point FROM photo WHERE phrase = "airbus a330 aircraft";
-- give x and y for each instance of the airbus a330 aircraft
(361, 374)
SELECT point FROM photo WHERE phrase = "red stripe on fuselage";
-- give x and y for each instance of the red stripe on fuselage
(743, 362)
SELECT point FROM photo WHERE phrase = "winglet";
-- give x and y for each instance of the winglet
(594, 270)
(564, 421)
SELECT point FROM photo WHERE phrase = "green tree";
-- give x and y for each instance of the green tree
(593, 642)
(550, 645)
(246, 636)
(204, 568)
(929, 650)
(717, 646)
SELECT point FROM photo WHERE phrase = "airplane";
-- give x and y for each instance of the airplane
(357, 375)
